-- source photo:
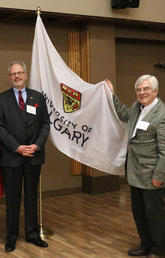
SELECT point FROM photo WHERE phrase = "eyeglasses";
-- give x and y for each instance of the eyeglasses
(143, 89)
(14, 74)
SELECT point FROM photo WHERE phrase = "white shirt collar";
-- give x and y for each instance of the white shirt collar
(16, 90)
(151, 105)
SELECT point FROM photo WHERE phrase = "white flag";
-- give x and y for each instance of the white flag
(84, 125)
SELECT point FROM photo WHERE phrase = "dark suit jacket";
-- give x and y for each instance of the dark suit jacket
(146, 151)
(18, 127)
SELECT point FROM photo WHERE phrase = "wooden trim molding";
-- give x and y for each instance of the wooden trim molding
(84, 49)
(85, 72)
(79, 63)
(74, 64)
(74, 51)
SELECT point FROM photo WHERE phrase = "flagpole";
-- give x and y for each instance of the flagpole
(42, 235)
(43, 232)
(38, 10)
(40, 207)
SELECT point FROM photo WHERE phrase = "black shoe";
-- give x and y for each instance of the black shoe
(138, 252)
(37, 241)
(10, 245)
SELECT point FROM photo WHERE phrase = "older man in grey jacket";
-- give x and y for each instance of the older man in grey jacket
(145, 164)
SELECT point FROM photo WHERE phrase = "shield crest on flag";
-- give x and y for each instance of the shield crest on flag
(71, 99)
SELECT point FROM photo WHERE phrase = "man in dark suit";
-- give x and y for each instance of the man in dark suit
(145, 164)
(24, 128)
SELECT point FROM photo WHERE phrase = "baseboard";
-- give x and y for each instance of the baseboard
(61, 192)
(123, 180)
(51, 193)
(91, 185)
(100, 184)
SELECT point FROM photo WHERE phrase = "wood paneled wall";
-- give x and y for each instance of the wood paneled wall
(79, 62)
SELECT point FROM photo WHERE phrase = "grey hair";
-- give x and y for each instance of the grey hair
(17, 62)
(151, 78)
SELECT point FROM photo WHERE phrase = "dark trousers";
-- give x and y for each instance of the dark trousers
(13, 178)
(148, 207)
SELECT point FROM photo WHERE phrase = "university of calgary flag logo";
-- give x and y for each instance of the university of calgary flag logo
(71, 99)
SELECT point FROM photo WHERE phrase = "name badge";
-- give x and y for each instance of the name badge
(142, 125)
(31, 109)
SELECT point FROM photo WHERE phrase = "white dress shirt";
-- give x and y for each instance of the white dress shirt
(24, 94)
(143, 113)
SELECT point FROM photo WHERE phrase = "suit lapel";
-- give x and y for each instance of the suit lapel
(14, 104)
(149, 116)
(31, 100)
(133, 120)
(30, 97)
(152, 112)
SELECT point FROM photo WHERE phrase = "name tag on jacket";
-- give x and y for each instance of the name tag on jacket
(142, 125)
(31, 109)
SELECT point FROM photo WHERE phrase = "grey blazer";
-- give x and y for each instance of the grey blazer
(146, 150)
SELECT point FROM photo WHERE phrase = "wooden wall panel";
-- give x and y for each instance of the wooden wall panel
(74, 64)
(79, 63)
(85, 73)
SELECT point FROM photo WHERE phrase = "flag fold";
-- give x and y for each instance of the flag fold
(84, 124)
